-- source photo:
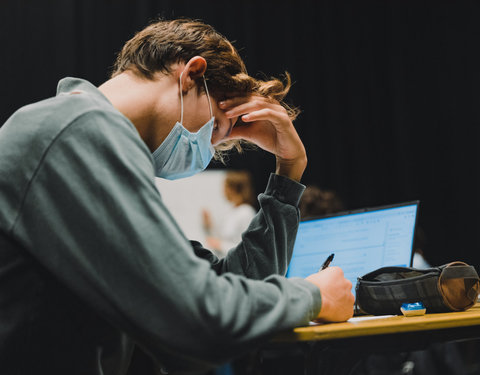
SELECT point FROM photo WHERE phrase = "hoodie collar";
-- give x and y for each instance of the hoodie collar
(70, 85)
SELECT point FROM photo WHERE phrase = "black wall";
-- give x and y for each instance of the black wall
(389, 90)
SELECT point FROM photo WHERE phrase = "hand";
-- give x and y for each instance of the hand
(214, 243)
(337, 296)
(206, 221)
(267, 124)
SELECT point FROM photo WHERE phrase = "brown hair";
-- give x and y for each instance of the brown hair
(319, 202)
(241, 183)
(166, 42)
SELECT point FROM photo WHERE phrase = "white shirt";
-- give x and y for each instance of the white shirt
(230, 229)
(419, 261)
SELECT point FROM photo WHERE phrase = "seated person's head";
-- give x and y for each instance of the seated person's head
(158, 47)
(319, 202)
(238, 187)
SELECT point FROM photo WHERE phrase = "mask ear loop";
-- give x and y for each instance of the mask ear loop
(208, 96)
(181, 98)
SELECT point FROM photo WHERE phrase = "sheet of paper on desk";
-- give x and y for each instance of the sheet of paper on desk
(358, 319)
(362, 318)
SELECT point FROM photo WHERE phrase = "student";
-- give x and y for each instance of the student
(238, 191)
(91, 262)
(318, 202)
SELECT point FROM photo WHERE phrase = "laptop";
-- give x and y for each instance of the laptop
(362, 241)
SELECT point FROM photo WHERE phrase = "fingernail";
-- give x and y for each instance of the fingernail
(221, 104)
(245, 117)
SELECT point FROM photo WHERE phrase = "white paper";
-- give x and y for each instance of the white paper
(362, 318)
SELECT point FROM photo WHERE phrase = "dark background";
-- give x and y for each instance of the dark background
(389, 91)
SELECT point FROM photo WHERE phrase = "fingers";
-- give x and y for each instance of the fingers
(239, 100)
(255, 109)
(236, 107)
(266, 123)
(267, 114)
(337, 296)
(232, 102)
(340, 274)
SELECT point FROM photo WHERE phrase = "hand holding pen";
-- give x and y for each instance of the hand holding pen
(336, 292)
(327, 262)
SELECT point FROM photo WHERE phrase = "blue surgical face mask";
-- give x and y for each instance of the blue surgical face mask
(182, 153)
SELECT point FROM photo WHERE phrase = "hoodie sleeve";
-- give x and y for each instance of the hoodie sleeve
(267, 245)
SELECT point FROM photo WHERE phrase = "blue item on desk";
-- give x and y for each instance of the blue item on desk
(413, 309)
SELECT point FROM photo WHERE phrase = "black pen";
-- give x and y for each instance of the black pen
(327, 261)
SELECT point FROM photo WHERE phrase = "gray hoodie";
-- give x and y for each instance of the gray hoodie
(92, 263)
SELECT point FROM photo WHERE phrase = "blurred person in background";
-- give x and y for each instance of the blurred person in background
(238, 190)
(319, 202)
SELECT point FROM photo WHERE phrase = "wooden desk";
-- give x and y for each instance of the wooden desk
(336, 348)
(455, 321)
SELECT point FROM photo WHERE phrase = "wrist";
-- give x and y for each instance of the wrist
(292, 169)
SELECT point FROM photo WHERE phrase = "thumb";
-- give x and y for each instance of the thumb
(241, 132)
(237, 132)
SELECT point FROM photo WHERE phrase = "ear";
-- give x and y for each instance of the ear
(194, 69)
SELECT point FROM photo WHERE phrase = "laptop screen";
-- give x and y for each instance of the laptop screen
(362, 241)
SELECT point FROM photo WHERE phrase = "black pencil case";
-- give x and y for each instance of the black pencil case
(451, 287)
